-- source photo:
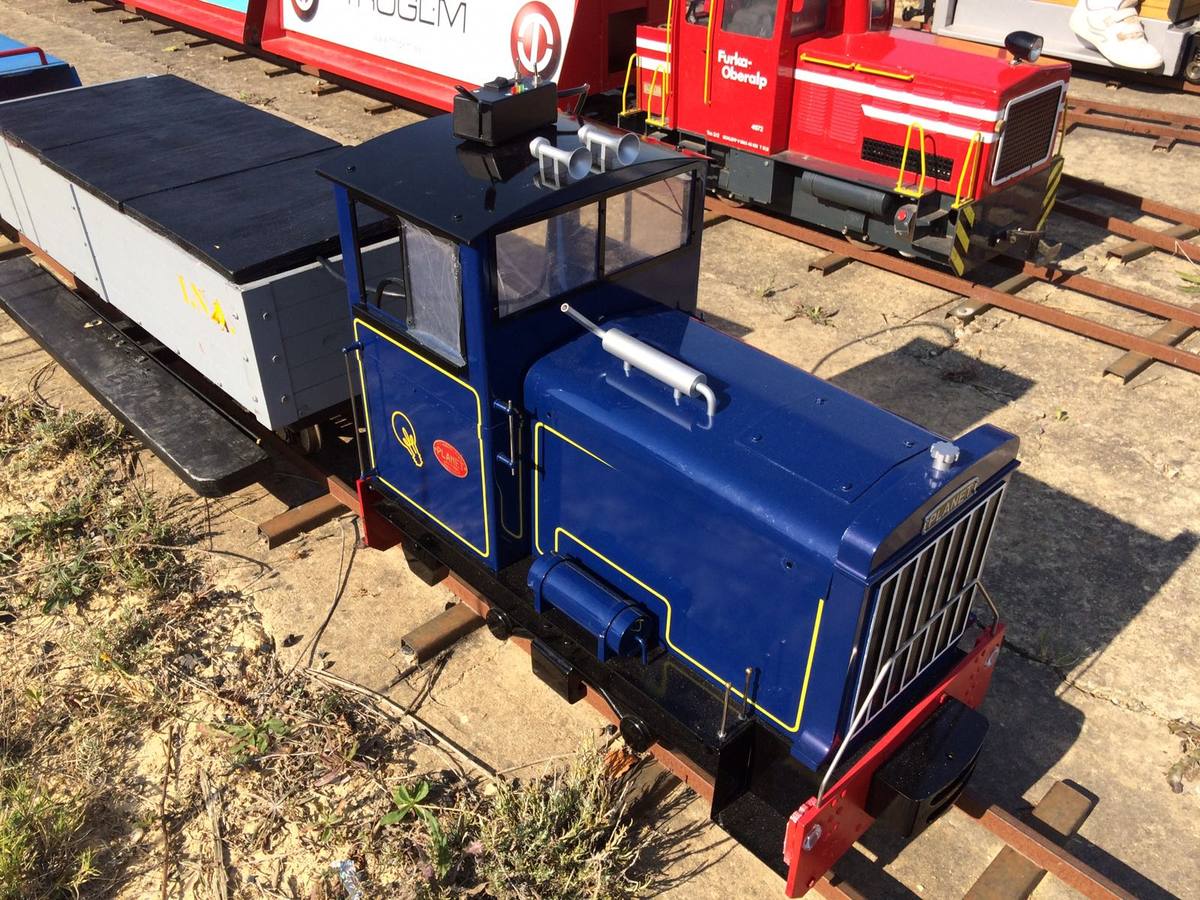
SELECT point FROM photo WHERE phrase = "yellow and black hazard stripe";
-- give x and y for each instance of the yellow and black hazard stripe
(1051, 195)
(962, 238)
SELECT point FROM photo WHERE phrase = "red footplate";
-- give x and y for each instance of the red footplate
(831, 827)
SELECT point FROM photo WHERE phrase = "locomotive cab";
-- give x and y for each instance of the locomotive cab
(760, 573)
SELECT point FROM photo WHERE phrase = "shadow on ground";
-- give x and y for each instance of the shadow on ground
(1043, 567)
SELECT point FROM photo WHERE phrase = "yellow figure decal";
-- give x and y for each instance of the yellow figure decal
(193, 296)
(406, 434)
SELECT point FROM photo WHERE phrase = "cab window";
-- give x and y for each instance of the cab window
(646, 222)
(808, 16)
(580, 246)
(754, 18)
(882, 14)
(547, 258)
(413, 284)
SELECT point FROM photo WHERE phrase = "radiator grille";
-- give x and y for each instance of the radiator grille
(921, 610)
(1028, 133)
(888, 154)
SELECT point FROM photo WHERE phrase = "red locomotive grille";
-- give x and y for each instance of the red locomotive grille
(1028, 133)
(888, 154)
(923, 608)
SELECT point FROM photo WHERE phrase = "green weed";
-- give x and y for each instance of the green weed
(818, 315)
(44, 848)
(32, 432)
(251, 740)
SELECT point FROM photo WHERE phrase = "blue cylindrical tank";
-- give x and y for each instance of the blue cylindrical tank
(619, 626)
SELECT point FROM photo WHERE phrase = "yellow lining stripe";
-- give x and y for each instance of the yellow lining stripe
(812, 650)
(558, 532)
(478, 432)
(537, 475)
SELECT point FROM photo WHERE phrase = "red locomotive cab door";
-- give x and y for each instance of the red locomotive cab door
(735, 86)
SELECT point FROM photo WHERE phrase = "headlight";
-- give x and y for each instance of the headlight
(1025, 46)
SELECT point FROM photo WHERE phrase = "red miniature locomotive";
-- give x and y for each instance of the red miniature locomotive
(822, 111)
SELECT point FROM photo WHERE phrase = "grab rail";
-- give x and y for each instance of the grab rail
(625, 108)
(972, 159)
(918, 191)
(20, 51)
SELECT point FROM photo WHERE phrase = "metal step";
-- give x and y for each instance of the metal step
(195, 440)
(931, 217)
(931, 244)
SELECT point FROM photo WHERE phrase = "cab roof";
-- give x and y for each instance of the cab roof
(466, 191)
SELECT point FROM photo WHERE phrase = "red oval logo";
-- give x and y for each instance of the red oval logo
(536, 41)
(452, 461)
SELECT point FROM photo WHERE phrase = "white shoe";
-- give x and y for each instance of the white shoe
(1116, 31)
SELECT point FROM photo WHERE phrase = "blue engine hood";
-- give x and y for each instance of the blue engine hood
(783, 442)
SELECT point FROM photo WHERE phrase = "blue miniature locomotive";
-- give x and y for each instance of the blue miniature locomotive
(755, 569)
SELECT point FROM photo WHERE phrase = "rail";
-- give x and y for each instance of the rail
(983, 296)
(918, 191)
(972, 160)
(23, 51)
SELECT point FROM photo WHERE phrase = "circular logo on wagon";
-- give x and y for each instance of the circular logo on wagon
(452, 461)
(305, 9)
(536, 40)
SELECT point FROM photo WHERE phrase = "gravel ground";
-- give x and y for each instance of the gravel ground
(1094, 566)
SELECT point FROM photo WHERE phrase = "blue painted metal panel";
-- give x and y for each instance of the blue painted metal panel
(425, 433)
(731, 531)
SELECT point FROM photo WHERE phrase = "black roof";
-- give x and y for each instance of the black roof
(464, 191)
(231, 184)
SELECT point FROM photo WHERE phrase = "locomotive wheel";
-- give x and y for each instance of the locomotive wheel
(499, 624)
(1192, 72)
(308, 440)
(636, 734)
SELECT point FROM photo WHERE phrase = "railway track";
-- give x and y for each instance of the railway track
(1167, 128)
(1178, 321)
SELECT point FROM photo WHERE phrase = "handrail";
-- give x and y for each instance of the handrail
(919, 190)
(20, 51)
(662, 119)
(625, 108)
(855, 67)
(668, 68)
(708, 60)
(972, 159)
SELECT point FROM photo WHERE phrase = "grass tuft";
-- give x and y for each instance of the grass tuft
(34, 432)
(44, 850)
(562, 835)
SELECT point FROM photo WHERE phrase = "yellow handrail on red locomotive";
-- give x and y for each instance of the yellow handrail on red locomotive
(667, 65)
(708, 54)
(919, 190)
(626, 109)
(972, 159)
(662, 119)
